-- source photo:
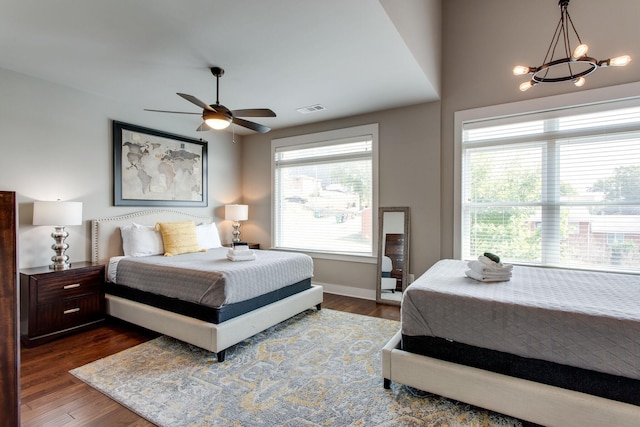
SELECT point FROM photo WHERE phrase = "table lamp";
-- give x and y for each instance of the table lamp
(236, 213)
(58, 214)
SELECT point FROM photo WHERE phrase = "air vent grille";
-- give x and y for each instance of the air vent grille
(310, 109)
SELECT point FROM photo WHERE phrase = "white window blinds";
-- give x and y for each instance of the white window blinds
(323, 196)
(557, 188)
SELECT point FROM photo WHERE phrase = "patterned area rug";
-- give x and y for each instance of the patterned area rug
(316, 369)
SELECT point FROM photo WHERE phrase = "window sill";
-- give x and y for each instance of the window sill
(364, 259)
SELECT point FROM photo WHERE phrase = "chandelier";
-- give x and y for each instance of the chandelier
(573, 66)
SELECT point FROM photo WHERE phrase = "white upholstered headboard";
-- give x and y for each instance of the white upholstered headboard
(106, 241)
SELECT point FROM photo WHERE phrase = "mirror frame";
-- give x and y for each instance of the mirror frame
(405, 248)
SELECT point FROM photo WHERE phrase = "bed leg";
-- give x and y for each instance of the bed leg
(220, 355)
(387, 383)
(319, 306)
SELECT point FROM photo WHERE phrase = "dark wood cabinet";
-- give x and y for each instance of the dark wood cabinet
(251, 245)
(9, 344)
(57, 303)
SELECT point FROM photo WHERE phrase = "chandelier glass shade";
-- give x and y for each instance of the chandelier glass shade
(575, 64)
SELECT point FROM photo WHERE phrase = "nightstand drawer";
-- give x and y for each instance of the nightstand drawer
(57, 288)
(67, 314)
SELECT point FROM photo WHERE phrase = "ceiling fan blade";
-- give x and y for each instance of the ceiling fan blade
(203, 127)
(192, 99)
(174, 112)
(254, 112)
(251, 125)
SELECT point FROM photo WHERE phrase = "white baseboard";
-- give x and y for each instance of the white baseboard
(348, 291)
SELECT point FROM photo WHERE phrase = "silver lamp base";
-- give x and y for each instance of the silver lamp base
(60, 260)
(236, 232)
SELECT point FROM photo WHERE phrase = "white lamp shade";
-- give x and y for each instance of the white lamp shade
(57, 213)
(236, 212)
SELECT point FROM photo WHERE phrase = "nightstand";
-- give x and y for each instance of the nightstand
(57, 303)
(251, 245)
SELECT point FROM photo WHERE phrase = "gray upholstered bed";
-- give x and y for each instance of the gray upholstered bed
(554, 347)
(212, 328)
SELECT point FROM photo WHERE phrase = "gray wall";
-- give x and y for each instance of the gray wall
(484, 40)
(56, 144)
(409, 163)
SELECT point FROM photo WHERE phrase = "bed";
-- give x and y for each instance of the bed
(548, 354)
(216, 319)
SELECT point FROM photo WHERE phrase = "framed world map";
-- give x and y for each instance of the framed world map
(154, 168)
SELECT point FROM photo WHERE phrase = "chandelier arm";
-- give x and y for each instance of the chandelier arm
(565, 35)
(574, 28)
(567, 42)
(552, 48)
(555, 38)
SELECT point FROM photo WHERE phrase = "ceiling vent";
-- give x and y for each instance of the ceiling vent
(310, 109)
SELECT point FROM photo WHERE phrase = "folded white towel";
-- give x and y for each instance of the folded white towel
(244, 257)
(240, 248)
(240, 252)
(481, 267)
(484, 277)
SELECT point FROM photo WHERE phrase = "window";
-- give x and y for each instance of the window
(555, 188)
(324, 190)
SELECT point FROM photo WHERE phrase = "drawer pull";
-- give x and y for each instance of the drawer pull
(71, 310)
(75, 285)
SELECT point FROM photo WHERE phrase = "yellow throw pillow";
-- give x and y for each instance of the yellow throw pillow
(179, 237)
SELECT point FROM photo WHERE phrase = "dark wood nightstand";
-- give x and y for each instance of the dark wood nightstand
(57, 303)
(251, 245)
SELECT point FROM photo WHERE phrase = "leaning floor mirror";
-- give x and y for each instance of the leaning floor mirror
(393, 254)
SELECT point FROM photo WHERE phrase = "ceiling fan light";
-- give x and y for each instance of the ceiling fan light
(579, 81)
(217, 120)
(218, 124)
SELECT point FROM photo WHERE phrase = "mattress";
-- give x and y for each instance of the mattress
(209, 278)
(214, 315)
(587, 320)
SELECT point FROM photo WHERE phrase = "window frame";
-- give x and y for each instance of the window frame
(544, 107)
(318, 139)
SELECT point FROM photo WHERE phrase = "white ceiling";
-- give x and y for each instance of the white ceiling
(351, 56)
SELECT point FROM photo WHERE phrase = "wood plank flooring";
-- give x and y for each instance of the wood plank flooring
(50, 396)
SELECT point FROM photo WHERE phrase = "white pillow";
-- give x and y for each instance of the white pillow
(208, 236)
(141, 240)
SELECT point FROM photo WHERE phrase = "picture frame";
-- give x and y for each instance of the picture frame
(155, 168)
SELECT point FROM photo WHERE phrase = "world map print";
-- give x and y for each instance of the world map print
(157, 168)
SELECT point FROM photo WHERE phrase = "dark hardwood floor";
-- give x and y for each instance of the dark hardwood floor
(51, 396)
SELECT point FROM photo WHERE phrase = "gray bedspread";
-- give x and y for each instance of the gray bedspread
(584, 319)
(209, 278)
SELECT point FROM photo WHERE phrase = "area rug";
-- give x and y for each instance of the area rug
(319, 368)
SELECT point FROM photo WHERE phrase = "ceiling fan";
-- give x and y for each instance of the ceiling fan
(217, 116)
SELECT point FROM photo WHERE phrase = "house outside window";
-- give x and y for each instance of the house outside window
(558, 187)
(324, 188)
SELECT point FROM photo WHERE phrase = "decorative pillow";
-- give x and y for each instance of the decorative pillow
(141, 240)
(208, 236)
(179, 237)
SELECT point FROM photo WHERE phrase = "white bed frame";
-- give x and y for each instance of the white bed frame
(531, 401)
(107, 242)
